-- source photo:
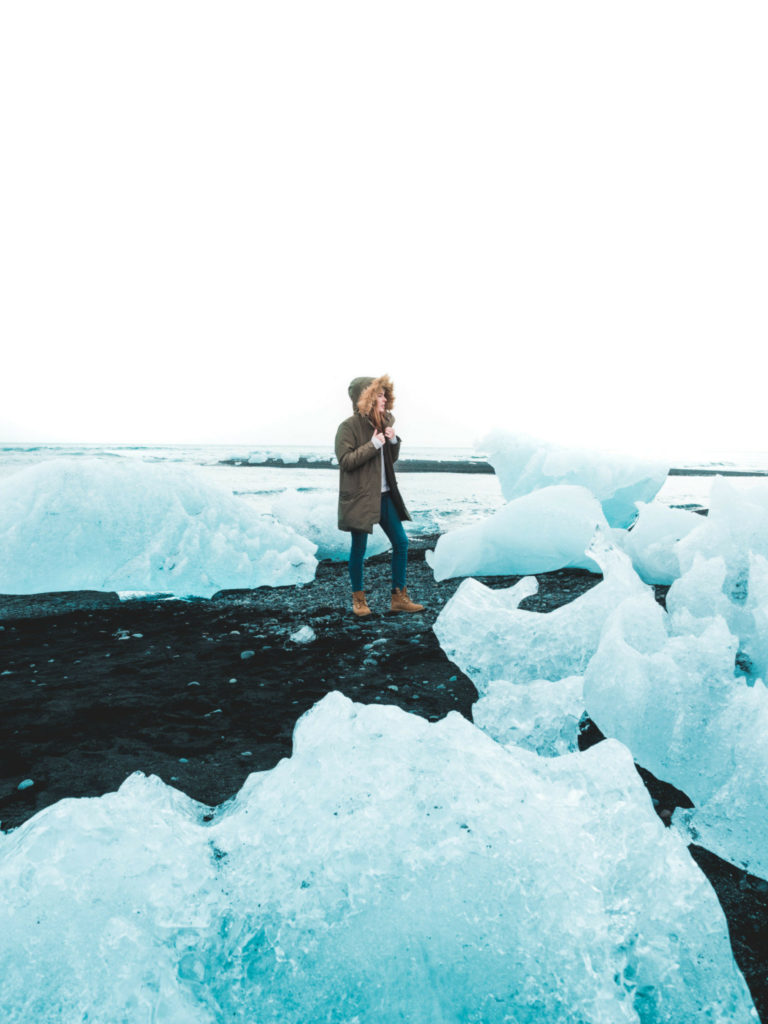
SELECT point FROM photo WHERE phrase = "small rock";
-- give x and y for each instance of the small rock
(245, 655)
(138, 636)
(193, 683)
(26, 784)
(246, 753)
(183, 760)
(233, 680)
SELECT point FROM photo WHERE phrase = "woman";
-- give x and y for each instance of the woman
(366, 450)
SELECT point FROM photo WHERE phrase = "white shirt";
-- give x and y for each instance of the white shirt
(380, 446)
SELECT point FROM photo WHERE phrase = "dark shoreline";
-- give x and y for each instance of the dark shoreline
(403, 465)
(453, 466)
(204, 692)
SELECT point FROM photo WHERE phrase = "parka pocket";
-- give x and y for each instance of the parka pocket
(350, 494)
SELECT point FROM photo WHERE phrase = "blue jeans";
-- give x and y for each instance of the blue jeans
(393, 528)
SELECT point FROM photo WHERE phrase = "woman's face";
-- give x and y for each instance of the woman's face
(381, 402)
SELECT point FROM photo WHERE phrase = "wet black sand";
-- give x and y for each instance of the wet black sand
(202, 693)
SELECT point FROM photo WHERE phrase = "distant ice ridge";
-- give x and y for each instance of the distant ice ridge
(391, 869)
(125, 525)
(524, 464)
(288, 456)
(539, 532)
(315, 516)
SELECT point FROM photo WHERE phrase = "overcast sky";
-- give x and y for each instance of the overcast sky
(546, 217)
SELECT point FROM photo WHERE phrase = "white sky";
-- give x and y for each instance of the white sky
(547, 217)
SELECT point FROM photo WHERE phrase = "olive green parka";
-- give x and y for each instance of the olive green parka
(360, 460)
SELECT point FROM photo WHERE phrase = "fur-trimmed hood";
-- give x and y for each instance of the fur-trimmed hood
(363, 392)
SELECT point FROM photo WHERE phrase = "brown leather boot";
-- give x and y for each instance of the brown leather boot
(359, 604)
(402, 603)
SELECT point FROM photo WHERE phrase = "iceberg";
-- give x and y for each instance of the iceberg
(724, 564)
(540, 532)
(126, 525)
(737, 524)
(315, 516)
(699, 595)
(524, 464)
(489, 637)
(665, 685)
(542, 716)
(390, 870)
(652, 541)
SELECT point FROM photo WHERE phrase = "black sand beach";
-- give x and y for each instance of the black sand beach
(202, 693)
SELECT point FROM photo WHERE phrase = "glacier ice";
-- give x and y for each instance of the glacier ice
(538, 532)
(390, 870)
(542, 716)
(314, 515)
(524, 464)
(652, 541)
(736, 525)
(665, 685)
(127, 525)
(724, 564)
(485, 633)
(698, 596)
(304, 635)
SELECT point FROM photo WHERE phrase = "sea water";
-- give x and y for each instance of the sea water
(438, 501)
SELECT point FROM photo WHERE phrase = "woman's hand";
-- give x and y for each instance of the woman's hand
(378, 436)
(389, 433)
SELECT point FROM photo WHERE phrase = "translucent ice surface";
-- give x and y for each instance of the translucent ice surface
(539, 532)
(737, 524)
(724, 563)
(524, 464)
(126, 525)
(652, 541)
(542, 716)
(485, 633)
(390, 870)
(314, 515)
(675, 701)
(741, 599)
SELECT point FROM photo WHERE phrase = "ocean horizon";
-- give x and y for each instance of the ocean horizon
(447, 486)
